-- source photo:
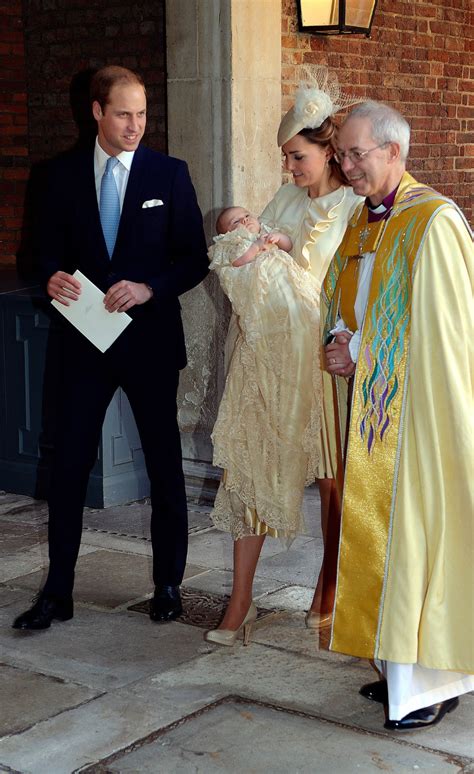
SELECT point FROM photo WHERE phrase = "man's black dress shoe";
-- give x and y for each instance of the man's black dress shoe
(427, 716)
(166, 603)
(375, 691)
(45, 610)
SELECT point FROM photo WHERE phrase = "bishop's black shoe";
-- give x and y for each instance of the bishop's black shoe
(166, 604)
(421, 718)
(375, 691)
(46, 608)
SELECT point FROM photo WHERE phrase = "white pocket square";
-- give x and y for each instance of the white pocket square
(152, 203)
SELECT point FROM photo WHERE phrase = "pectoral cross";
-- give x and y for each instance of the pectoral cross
(362, 237)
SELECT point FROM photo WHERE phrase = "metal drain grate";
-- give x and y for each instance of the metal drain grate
(201, 608)
(134, 522)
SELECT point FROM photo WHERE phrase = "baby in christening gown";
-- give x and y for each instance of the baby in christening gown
(269, 417)
(262, 237)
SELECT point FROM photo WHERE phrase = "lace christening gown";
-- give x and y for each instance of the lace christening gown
(266, 432)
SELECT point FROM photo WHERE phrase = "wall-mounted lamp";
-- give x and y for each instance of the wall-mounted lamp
(336, 17)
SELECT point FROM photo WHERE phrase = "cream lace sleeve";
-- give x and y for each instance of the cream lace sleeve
(228, 247)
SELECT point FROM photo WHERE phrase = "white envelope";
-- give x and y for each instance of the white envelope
(152, 203)
(89, 315)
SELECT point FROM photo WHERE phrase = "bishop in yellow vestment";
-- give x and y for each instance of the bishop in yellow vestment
(398, 334)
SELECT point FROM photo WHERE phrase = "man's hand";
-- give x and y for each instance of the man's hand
(338, 357)
(63, 287)
(125, 294)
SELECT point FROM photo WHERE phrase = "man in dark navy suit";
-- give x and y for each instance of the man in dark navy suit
(156, 252)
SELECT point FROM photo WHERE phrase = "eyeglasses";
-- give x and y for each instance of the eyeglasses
(356, 155)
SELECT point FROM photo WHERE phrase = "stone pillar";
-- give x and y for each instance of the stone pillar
(224, 107)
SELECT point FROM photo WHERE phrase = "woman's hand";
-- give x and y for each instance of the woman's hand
(338, 356)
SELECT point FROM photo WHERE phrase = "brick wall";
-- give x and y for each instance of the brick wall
(59, 43)
(419, 58)
(66, 38)
(13, 128)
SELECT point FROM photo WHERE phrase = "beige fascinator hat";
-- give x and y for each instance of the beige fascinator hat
(318, 96)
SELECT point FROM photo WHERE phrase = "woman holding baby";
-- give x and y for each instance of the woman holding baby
(272, 432)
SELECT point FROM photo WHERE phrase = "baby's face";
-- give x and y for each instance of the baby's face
(237, 216)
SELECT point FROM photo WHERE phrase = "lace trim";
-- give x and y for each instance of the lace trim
(267, 433)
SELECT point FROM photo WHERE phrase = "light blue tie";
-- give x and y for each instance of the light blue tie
(109, 205)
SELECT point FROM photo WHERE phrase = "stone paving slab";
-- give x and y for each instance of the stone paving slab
(287, 630)
(19, 508)
(28, 568)
(299, 566)
(133, 520)
(213, 549)
(24, 549)
(124, 544)
(312, 512)
(27, 697)
(325, 686)
(9, 498)
(16, 537)
(16, 567)
(239, 738)
(291, 597)
(96, 649)
(108, 579)
(121, 717)
(9, 596)
(127, 715)
(220, 582)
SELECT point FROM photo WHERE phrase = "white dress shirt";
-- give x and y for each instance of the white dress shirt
(121, 171)
(366, 267)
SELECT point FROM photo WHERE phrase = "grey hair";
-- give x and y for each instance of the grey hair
(388, 125)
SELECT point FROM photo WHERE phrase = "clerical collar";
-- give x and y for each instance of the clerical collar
(383, 209)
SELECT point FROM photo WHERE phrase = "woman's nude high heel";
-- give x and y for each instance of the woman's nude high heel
(317, 621)
(228, 636)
